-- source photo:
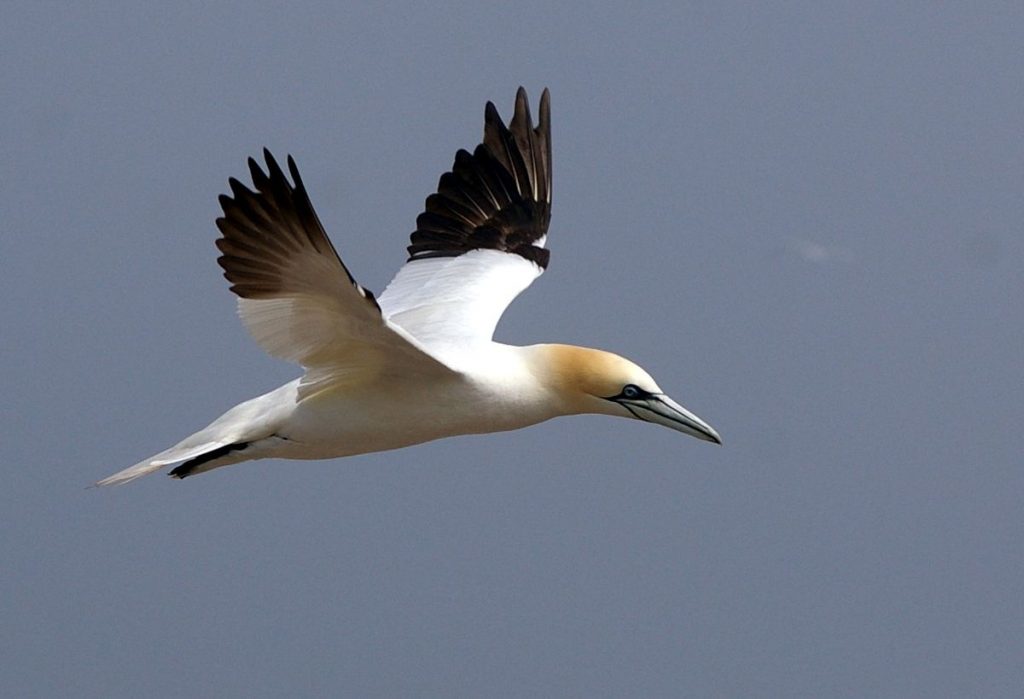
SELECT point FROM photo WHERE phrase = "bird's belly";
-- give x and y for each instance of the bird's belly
(347, 423)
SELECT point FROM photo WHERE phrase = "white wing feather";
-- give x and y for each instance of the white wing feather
(456, 301)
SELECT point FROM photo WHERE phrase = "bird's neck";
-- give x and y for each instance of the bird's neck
(572, 377)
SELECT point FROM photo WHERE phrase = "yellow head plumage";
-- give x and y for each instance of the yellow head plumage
(586, 378)
(583, 380)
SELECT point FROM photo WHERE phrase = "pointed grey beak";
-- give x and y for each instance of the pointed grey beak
(662, 410)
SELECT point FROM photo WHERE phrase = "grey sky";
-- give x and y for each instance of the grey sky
(803, 218)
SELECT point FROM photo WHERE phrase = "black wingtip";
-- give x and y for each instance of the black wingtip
(293, 169)
(492, 117)
(521, 120)
(273, 169)
(259, 178)
(496, 197)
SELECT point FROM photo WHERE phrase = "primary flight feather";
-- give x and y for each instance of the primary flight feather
(418, 363)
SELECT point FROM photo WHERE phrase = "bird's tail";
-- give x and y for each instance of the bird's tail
(180, 452)
(247, 431)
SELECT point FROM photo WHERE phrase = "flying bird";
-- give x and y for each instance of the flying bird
(418, 363)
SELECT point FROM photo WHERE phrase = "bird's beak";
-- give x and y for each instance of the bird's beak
(662, 410)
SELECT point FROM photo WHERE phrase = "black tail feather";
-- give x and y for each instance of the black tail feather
(189, 467)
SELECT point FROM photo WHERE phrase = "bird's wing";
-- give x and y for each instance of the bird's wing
(480, 240)
(296, 297)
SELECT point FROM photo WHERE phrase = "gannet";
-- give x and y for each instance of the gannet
(418, 363)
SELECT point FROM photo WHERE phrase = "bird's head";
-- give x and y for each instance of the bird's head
(593, 381)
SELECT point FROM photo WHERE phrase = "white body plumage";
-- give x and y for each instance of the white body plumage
(419, 364)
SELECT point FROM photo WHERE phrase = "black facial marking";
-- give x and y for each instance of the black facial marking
(631, 392)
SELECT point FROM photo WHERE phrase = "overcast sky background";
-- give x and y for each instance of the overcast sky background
(805, 219)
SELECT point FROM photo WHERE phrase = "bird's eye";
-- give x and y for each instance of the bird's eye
(631, 391)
